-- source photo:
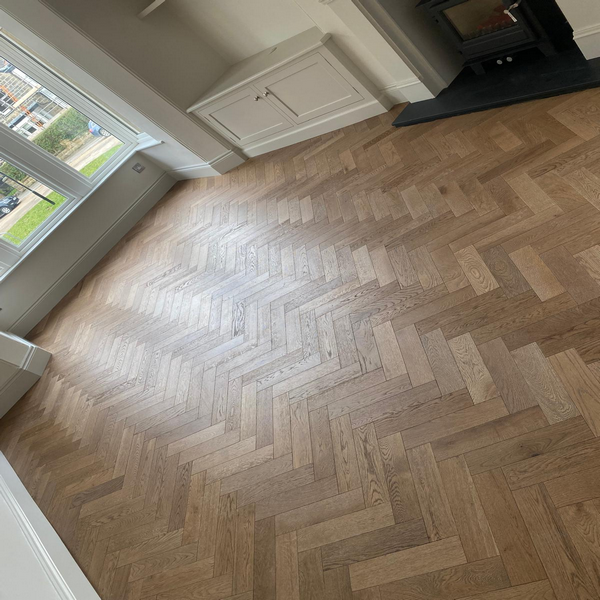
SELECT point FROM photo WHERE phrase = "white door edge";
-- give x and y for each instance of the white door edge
(55, 560)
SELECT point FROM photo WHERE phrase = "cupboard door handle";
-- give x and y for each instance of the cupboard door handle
(265, 94)
(256, 98)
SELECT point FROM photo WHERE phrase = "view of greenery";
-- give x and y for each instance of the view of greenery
(54, 139)
(42, 210)
(68, 127)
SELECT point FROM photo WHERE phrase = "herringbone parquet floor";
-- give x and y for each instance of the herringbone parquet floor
(364, 367)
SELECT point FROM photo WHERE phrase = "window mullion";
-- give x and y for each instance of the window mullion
(42, 165)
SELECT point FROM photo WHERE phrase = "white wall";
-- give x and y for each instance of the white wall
(63, 258)
(161, 49)
(237, 29)
(186, 143)
(367, 48)
(21, 574)
(418, 37)
(584, 17)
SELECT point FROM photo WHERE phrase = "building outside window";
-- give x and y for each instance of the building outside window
(56, 145)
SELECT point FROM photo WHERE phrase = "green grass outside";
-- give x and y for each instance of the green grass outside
(34, 217)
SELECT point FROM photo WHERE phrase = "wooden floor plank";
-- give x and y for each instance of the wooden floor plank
(362, 367)
(432, 496)
(516, 548)
(582, 386)
(471, 521)
(467, 580)
(566, 570)
(407, 563)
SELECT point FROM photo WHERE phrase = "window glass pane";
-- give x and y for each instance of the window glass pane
(46, 120)
(25, 204)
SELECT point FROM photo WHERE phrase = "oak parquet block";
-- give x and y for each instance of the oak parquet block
(363, 367)
(455, 421)
(529, 445)
(566, 569)
(489, 433)
(435, 507)
(509, 530)
(389, 350)
(415, 359)
(370, 466)
(582, 386)
(505, 272)
(374, 543)
(537, 273)
(177, 577)
(320, 511)
(265, 558)
(571, 274)
(476, 270)
(287, 583)
(344, 452)
(442, 362)
(403, 496)
(344, 527)
(322, 444)
(425, 404)
(297, 497)
(554, 464)
(475, 374)
(509, 381)
(471, 522)
(472, 579)
(582, 521)
(407, 563)
(574, 487)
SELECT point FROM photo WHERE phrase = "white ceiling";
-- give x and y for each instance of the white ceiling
(237, 29)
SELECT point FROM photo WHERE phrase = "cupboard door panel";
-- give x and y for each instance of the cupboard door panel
(308, 89)
(245, 116)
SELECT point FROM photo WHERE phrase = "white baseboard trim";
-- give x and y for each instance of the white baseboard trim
(217, 167)
(411, 90)
(58, 565)
(93, 255)
(588, 40)
(366, 110)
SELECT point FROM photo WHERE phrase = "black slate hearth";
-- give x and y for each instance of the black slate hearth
(528, 77)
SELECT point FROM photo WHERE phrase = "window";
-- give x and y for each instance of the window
(56, 145)
(25, 203)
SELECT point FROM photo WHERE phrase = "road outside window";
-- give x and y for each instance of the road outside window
(50, 123)
(25, 204)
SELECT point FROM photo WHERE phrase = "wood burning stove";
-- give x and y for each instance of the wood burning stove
(488, 29)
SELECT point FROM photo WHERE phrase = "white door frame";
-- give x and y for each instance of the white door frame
(58, 565)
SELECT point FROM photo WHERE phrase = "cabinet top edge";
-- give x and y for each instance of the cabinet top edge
(263, 62)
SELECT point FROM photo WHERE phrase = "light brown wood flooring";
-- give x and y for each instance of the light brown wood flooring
(366, 367)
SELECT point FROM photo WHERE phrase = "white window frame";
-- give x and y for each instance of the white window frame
(48, 169)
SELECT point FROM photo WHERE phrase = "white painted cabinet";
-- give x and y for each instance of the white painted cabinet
(308, 89)
(296, 90)
(245, 116)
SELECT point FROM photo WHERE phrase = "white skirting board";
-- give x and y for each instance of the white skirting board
(588, 40)
(34, 559)
(219, 166)
(413, 90)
